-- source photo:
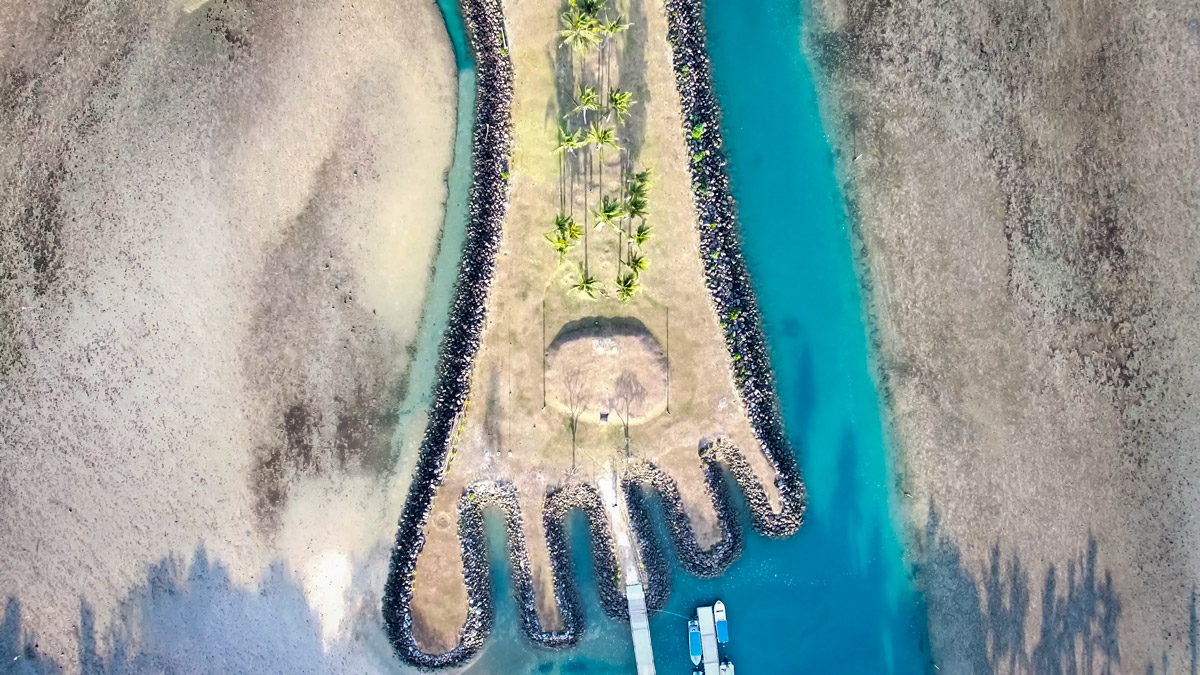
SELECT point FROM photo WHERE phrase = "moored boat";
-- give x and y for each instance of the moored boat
(726, 668)
(694, 641)
(722, 624)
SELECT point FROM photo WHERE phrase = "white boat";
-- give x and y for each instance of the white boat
(694, 641)
(726, 668)
(722, 624)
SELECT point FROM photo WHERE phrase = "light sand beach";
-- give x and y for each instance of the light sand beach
(1023, 183)
(219, 220)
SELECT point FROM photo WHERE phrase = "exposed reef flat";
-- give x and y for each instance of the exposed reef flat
(1024, 180)
(217, 231)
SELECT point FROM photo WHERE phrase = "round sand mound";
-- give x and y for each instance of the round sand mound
(607, 370)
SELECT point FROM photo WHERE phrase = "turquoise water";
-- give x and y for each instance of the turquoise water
(836, 598)
(414, 405)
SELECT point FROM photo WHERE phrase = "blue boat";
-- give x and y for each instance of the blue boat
(694, 641)
(722, 624)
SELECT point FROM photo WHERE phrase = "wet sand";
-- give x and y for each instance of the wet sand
(1022, 181)
(220, 227)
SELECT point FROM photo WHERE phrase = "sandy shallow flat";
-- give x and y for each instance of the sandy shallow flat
(217, 231)
(1024, 178)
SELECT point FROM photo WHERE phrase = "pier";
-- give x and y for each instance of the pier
(708, 640)
(631, 569)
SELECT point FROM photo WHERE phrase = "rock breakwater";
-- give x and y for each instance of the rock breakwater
(732, 293)
(491, 149)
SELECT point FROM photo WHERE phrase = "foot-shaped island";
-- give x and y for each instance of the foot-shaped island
(604, 351)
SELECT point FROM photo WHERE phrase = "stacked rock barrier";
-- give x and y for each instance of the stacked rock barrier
(502, 496)
(560, 501)
(736, 307)
(491, 149)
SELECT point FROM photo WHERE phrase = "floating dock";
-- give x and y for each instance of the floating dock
(708, 640)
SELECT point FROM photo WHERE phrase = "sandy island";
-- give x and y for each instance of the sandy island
(514, 433)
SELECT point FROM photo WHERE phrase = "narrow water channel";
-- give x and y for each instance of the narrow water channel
(835, 598)
(414, 406)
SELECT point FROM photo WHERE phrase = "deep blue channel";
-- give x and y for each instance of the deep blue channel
(837, 597)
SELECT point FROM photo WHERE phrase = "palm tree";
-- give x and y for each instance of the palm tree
(565, 225)
(611, 211)
(567, 142)
(636, 207)
(619, 103)
(585, 100)
(644, 178)
(601, 136)
(637, 189)
(606, 30)
(638, 263)
(587, 284)
(559, 243)
(627, 286)
(592, 8)
(580, 31)
(642, 235)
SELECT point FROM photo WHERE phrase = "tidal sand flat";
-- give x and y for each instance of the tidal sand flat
(218, 225)
(1024, 180)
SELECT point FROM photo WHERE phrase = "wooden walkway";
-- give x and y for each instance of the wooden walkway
(631, 568)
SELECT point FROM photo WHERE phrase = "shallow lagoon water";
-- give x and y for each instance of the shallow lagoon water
(414, 406)
(835, 598)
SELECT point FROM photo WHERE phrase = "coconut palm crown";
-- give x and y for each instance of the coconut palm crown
(565, 225)
(638, 263)
(608, 29)
(611, 211)
(627, 286)
(580, 31)
(601, 136)
(636, 207)
(586, 99)
(587, 284)
(560, 244)
(642, 235)
(567, 141)
(619, 103)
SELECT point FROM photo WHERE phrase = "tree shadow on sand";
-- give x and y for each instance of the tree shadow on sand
(189, 618)
(978, 620)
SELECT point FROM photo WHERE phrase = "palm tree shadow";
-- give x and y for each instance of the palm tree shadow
(187, 617)
(978, 621)
(19, 653)
(633, 80)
